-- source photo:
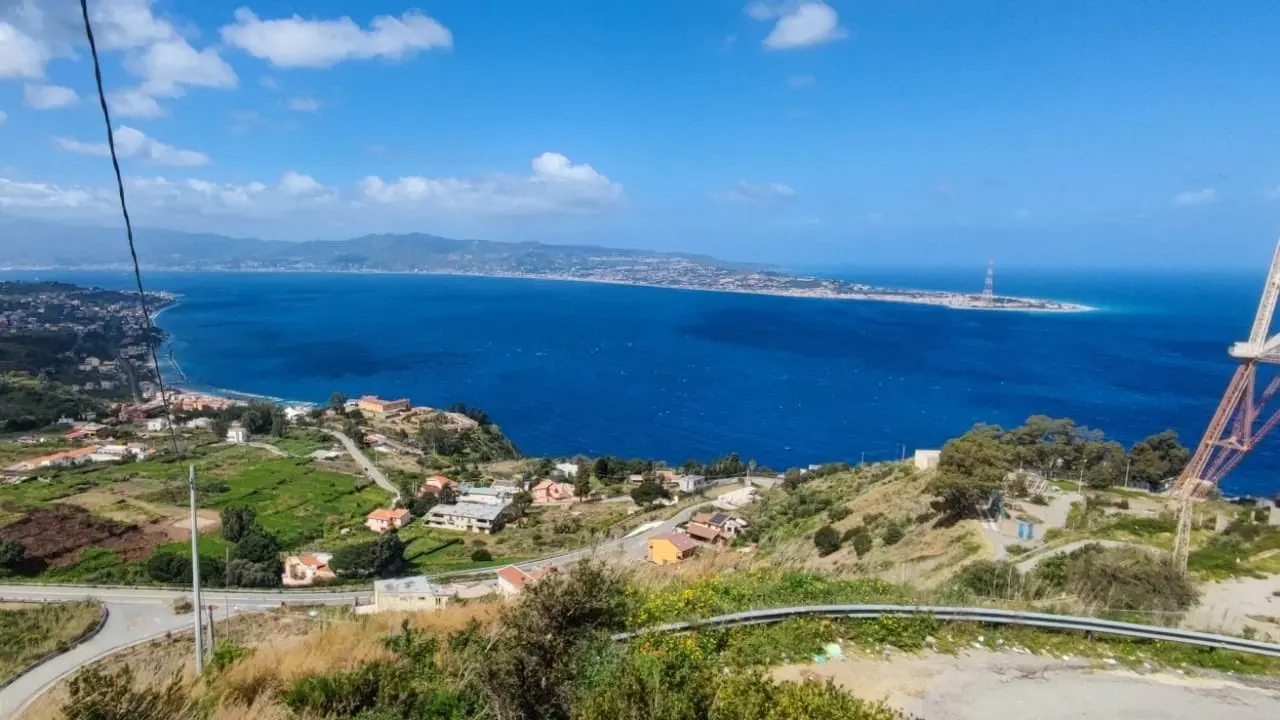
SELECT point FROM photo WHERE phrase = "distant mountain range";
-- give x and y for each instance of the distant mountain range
(28, 244)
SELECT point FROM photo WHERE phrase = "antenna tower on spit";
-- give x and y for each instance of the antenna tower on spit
(989, 288)
(1234, 429)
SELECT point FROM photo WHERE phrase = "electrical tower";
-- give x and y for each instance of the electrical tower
(989, 288)
(1235, 428)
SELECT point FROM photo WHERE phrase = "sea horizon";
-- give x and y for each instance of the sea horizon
(570, 367)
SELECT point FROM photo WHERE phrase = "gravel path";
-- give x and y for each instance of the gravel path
(983, 685)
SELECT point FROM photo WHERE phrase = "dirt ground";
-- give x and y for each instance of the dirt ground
(1231, 605)
(56, 534)
(117, 504)
(984, 685)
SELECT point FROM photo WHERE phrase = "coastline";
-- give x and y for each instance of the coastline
(905, 296)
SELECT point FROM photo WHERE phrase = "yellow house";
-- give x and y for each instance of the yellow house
(670, 548)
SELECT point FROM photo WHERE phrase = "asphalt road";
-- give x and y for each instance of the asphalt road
(369, 468)
(140, 614)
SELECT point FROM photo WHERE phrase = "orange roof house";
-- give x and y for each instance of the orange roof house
(512, 580)
(433, 486)
(301, 570)
(382, 519)
(670, 548)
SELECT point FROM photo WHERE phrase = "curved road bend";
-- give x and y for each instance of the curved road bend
(369, 468)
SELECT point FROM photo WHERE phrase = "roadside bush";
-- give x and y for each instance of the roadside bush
(893, 534)
(862, 543)
(1123, 504)
(1016, 549)
(256, 547)
(827, 540)
(1038, 499)
(990, 578)
(369, 559)
(243, 573)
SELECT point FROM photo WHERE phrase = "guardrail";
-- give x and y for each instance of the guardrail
(978, 615)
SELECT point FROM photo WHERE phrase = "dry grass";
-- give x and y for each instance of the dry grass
(30, 632)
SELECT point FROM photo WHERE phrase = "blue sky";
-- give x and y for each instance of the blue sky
(876, 132)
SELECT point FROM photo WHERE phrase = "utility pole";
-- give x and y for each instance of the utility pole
(195, 570)
(1127, 463)
(213, 641)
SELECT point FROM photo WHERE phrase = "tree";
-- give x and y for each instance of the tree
(420, 506)
(582, 485)
(1157, 458)
(1102, 464)
(257, 418)
(257, 546)
(278, 422)
(862, 543)
(338, 401)
(237, 520)
(481, 555)
(827, 539)
(649, 492)
(12, 554)
(970, 469)
(520, 503)
(369, 559)
(243, 573)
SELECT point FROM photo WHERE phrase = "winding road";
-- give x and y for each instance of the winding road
(369, 468)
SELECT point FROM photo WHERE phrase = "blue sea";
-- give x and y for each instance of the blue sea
(570, 367)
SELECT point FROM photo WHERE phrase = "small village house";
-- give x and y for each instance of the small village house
(66, 458)
(567, 469)
(409, 594)
(303, 570)
(727, 525)
(512, 580)
(384, 519)
(158, 424)
(237, 434)
(927, 459)
(467, 517)
(552, 491)
(691, 484)
(382, 408)
(486, 495)
(433, 485)
(706, 534)
(670, 548)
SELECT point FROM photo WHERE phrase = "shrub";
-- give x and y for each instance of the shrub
(481, 555)
(1123, 504)
(893, 534)
(237, 520)
(837, 513)
(1038, 499)
(990, 578)
(862, 543)
(1016, 549)
(827, 540)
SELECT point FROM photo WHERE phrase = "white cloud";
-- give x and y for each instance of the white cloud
(21, 56)
(1204, 196)
(295, 184)
(3, 116)
(296, 42)
(770, 193)
(165, 67)
(48, 97)
(123, 24)
(131, 143)
(304, 104)
(801, 81)
(134, 103)
(556, 186)
(14, 194)
(268, 82)
(799, 24)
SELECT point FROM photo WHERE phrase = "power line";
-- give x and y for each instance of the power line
(128, 225)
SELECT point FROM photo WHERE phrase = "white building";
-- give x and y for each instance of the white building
(466, 517)
(409, 594)
(158, 424)
(927, 459)
(487, 495)
(567, 469)
(236, 434)
(690, 484)
(203, 423)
